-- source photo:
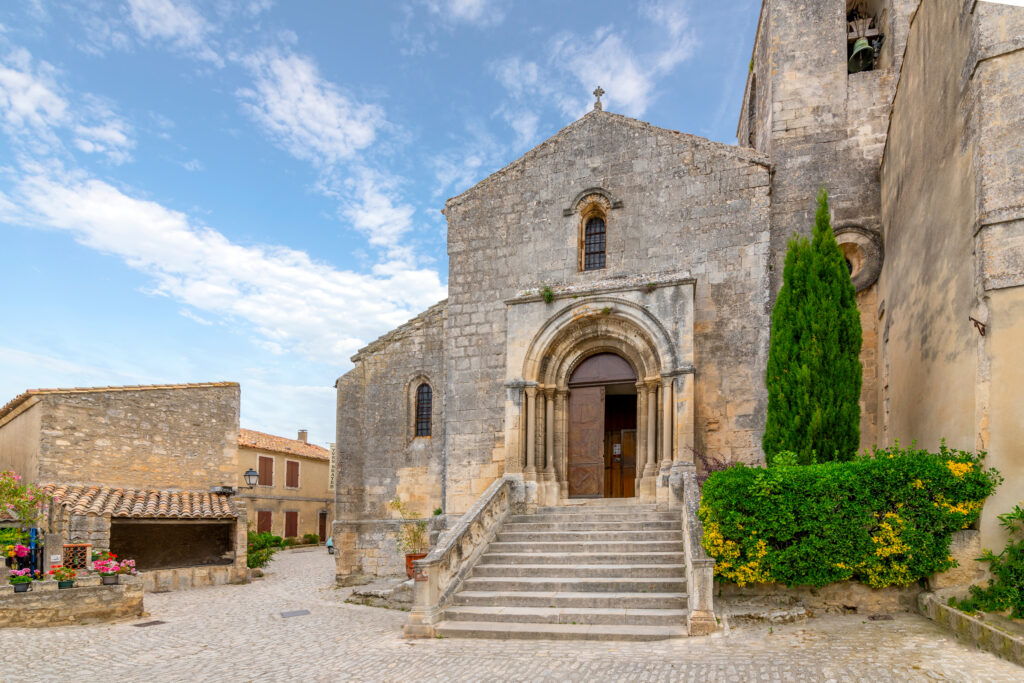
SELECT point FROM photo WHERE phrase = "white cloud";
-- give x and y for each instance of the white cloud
(177, 23)
(305, 114)
(34, 113)
(372, 212)
(193, 165)
(479, 12)
(289, 299)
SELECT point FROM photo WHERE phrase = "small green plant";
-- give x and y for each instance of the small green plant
(785, 459)
(547, 294)
(1005, 590)
(438, 512)
(260, 547)
(607, 310)
(651, 286)
(411, 536)
(311, 539)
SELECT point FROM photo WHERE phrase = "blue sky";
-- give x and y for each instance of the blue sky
(250, 190)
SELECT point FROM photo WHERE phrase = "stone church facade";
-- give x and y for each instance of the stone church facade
(610, 292)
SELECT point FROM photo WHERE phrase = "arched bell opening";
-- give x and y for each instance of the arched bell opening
(602, 428)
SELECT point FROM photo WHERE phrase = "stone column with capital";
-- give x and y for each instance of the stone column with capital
(549, 434)
(562, 442)
(530, 471)
(647, 463)
(665, 447)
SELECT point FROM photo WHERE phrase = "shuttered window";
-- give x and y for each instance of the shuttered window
(266, 469)
(264, 520)
(291, 523)
(292, 479)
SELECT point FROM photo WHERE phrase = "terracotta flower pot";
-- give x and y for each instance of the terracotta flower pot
(66, 584)
(110, 580)
(409, 557)
(22, 587)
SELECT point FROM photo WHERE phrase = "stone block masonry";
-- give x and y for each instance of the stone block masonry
(47, 605)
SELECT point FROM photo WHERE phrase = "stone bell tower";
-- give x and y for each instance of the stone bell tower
(821, 112)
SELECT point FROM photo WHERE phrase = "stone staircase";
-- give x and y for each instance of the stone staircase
(611, 570)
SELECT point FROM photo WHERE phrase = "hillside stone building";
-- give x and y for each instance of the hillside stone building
(610, 291)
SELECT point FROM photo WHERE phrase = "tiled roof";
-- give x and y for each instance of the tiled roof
(279, 444)
(21, 398)
(132, 502)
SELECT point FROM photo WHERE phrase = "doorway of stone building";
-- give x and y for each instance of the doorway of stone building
(321, 525)
(602, 428)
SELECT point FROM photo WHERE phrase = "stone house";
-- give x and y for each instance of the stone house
(293, 495)
(609, 292)
(143, 471)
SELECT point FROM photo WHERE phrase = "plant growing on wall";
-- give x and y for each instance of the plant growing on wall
(1005, 590)
(814, 370)
(24, 502)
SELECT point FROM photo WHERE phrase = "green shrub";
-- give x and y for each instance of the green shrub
(257, 559)
(258, 540)
(883, 519)
(1005, 590)
(289, 542)
(311, 538)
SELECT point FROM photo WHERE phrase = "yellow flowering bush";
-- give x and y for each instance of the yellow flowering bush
(884, 519)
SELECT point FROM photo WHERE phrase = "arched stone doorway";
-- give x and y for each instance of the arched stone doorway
(539, 400)
(602, 428)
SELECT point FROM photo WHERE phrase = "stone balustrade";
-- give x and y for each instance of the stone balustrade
(440, 573)
(700, 569)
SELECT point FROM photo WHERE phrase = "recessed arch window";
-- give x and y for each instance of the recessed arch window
(594, 241)
(424, 407)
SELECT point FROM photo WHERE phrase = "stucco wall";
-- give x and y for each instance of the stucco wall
(927, 283)
(311, 497)
(688, 206)
(179, 438)
(19, 442)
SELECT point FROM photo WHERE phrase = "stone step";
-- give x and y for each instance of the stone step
(571, 599)
(633, 546)
(506, 630)
(568, 615)
(586, 536)
(602, 517)
(664, 584)
(591, 525)
(600, 504)
(581, 558)
(566, 571)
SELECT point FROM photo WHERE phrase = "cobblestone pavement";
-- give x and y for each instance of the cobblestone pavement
(236, 633)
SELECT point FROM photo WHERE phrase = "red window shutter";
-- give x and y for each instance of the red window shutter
(293, 474)
(264, 520)
(266, 470)
(291, 524)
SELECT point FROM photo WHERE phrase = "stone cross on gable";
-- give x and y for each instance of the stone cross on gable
(597, 93)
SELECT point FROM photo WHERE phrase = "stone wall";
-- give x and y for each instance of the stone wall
(953, 200)
(379, 455)
(180, 437)
(19, 439)
(86, 603)
(687, 206)
(185, 578)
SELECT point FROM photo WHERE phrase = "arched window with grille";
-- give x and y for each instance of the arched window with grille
(424, 407)
(594, 244)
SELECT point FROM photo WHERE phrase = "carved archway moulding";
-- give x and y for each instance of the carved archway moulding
(601, 325)
(592, 194)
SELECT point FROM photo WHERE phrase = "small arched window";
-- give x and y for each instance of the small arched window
(594, 244)
(424, 406)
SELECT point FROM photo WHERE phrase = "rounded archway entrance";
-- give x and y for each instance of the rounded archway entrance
(602, 428)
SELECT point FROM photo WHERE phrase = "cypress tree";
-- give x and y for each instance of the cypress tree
(814, 371)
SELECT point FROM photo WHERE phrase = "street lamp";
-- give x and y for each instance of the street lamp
(251, 477)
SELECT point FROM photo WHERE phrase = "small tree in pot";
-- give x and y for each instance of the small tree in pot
(411, 537)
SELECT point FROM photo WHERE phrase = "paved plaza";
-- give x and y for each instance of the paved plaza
(237, 633)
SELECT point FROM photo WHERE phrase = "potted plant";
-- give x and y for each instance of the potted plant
(65, 576)
(22, 580)
(109, 569)
(412, 536)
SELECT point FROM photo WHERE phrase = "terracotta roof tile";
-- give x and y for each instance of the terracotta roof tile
(136, 502)
(279, 444)
(21, 398)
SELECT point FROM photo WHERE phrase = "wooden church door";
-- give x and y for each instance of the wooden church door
(586, 442)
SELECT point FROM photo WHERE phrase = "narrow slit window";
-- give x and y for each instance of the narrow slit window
(424, 400)
(593, 244)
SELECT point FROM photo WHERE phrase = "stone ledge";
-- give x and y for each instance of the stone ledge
(184, 578)
(79, 605)
(972, 629)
